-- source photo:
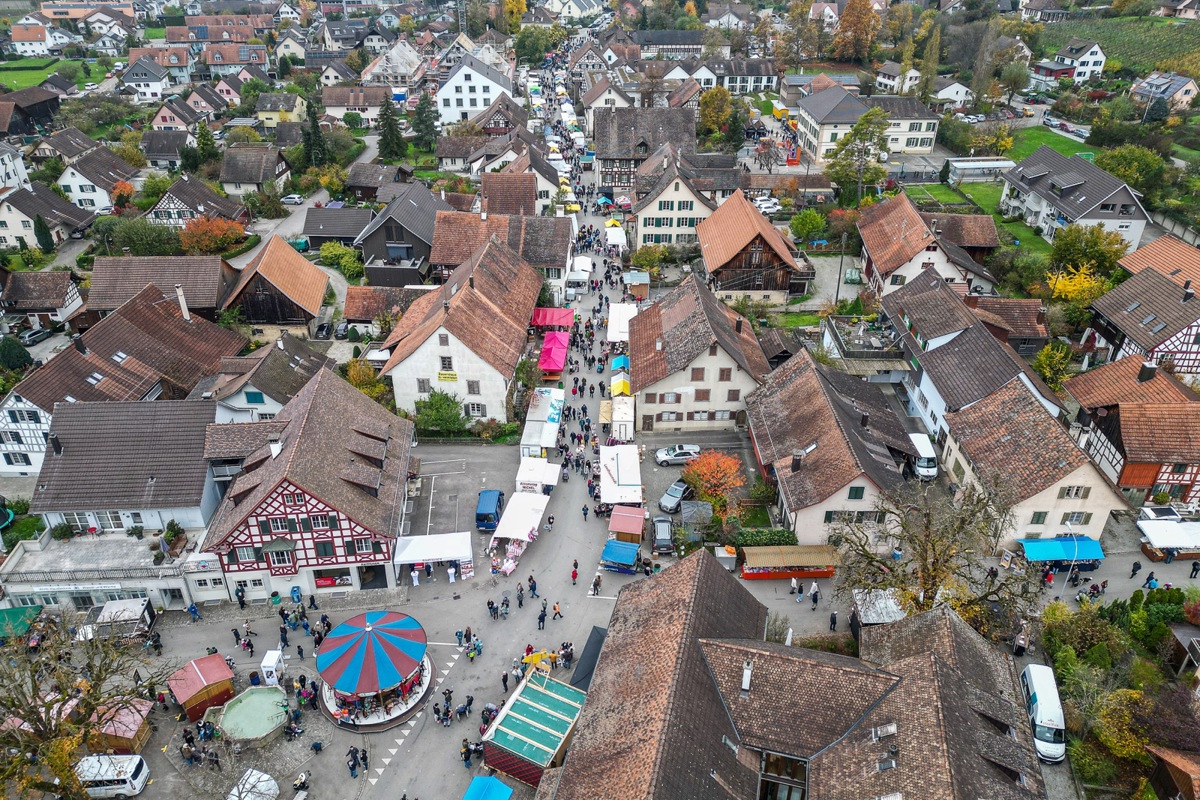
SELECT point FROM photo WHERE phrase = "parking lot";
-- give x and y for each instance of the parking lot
(452, 477)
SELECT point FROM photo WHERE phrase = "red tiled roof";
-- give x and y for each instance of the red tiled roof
(1174, 258)
(1160, 433)
(1022, 318)
(734, 224)
(288, 271)
(1117, 382)
(892, 233)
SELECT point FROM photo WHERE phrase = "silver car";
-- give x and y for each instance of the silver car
(676, 454)
(675, 494)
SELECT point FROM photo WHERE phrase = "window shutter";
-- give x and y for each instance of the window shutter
(333, 522)
(691, 415)
(349, 547)
(1062, 492)
(678, 398)
(1087, 518)
(291, 525)
(258, 554)
(1065, 518)
(231, 556)
(306, 524)
(483, 410)
(658, 417)
(651, 397)
(376, 547)
(1086, 491)
(264, 527)
(466, 410)
(828, 517)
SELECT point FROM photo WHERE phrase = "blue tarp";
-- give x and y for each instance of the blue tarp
(1062, 548)
(487, 788)
(619, 552)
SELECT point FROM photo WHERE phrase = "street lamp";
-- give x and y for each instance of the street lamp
(837, 290)
(1074, 556)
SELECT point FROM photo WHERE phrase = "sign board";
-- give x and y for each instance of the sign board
(450, 377)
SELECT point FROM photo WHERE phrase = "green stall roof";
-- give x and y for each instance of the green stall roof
(537, 719)
(15, 622)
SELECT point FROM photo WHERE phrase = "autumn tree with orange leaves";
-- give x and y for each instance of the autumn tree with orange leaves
(122, 193)
(204, 236)
(714, 476)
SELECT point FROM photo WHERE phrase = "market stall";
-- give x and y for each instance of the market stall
(619, 315)
(627, 524)
(1063, 550)
(1163, 529)
(434, 547)
(618, 384)
(542, 421)
(553, 357)
(623, 557)
(372, 665)
(620, 475)
(202, 684)
(537, 475)
(15, 622)
(877, 606)
(487, 787)
(517, 528)
(622, 418)
(614, 236)
(552, 318)
(637, 284)
(532, 731)
(795, 561)
(582, 264)
(123, 730)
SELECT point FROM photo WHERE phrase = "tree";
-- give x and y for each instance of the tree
(1158, 110)
(855, 161)
(513, 11)
(767, 156)
(1076, 245)
(128, 150)
(315, 150)
(392, 144)
(357, 60)
(69, 70)
(807, 224)
(532, 44)
(789, 47)
(425, 118)
(715, 108)
(42, 232)
(1014, 78)
(242, 134)
(984, 64)
(441, 412)
(898, 22)
(715, 475)
(929, 64)
(205, 144)
(407, 25)
(937, 550)
(1140, 167)
(857, 29)
(713, 40)
(156, 185)
(13, 355)
(362, 376)
(38, 755)
(205, 236)
(144, 239)
(1052, 363)
(649, 258)
(466, 128)
(122, 192)
(352, 119)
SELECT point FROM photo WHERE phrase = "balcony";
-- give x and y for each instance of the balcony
(862, 340)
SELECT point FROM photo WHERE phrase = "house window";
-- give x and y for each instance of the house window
(734, 395)
(255, 398)
(1039, 518)
(697, 373)
(443, 340)
(19, 415)
(669, 397)
(16, 459)
(712, 350)
(1179, 469)
(447, 364)
(703, 395)
(476, 410)
(423, 386)
(856, 492)
(1074, 492)
(324, 549)
(472, 387)
(10, 437)
(362, 545)
(279, 524)
(293, 498)
(725, 374)
(77, 520)
(280, 558)
(1076, 518)
(245, 554)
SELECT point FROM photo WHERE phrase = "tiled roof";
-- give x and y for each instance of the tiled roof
(289, 133)
(889, 68)
(1076, 47)
(1117, 382)
(964, 230)
(344, 223)
(1020, 317)
(509, 194)
(969, 367)
(802, 404)
(163, 144)
(459, 146)
(196, 195)
(732, 227)
(1149, 308)
(161, 456)
(104, 168)
(1160, 433)
(226, 54)
(280, 101)
(1082, 185)
(144, 343)
(39, 199)
(1013, 442)
(26, 98)
(291, 273)
(619, 132)
(252, 163)
(652, 690)
(832, 105)
(1173, 257)
(239, 439)
(115, 280)
(542, 241)
(893, 233)
(901, 108)
(279, 370)
(414, 207)
(333, 438)
(930, 308)
(365, 303)
(1184, 767)
(509, 108)
(495, 285)
(484, 70)
(681, 325)
(599, 88)
(72, 142)
(36, 290)
(365, 96)
(366, 174)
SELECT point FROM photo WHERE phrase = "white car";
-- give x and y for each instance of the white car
(292, 200)
(91, 86)
(768, 205)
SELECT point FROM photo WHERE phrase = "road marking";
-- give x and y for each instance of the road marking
(373, 781)
(387, 761)
(392, 750)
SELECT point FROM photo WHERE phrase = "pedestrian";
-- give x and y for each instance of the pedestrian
(195, 613)
(162, 701)
(366, 759)
(186, 752)
(557, 611)
(1146, 583)
(815, 592)
(283, 640)
(450, 572)
(596, 585)
(237, 636)
(532, 587)
(240, 594)
(542, 621)
(1195, 569)
(504, 679)
(458, 633)
(312, 602)
(352, 763)
(188, 738)
(574, 576)
(520, 596)
(300, 652)
(1137, 567)
(214, 760)
(833, 620)
(575, 564)
(795, 584)
(449, 695)
(585, 512)
(429, 569)
(416, 577)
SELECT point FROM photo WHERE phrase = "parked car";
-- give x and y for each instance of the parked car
(104, 211)
(663, 542)
(292, 200)
(1027, 112)
(768, 205)
(342, 330)
(1049, 122)
(676, 454)
(323, 331)
(675, 494)
(1066, 126)
(34, 335)
(91, 86)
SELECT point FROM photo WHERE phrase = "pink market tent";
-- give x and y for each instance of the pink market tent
(626, 523)
(553, 317)
(554, 352)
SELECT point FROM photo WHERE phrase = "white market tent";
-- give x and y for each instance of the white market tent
(620, 475)
(1170, 533)
(615, 237)
(877, 606)
(522, 517)
(534, 473)
(546, 405)
(431, 547)
(622, 418)
(582, 264)
(619, 315)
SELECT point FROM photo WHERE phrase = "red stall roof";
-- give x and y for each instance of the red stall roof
(550, 317)
(554, 351)
(197, 675)
(626, 519)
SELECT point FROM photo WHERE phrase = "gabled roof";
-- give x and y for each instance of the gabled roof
(964, 230)
(459, 146)
(1117, 382)
(804, 407)
(1022, 318)
(29, 291)
(339, 446)
(1082, 186)
(235, 53)
(620, 132)
(295, 276)
(104, 168)
(367, 174)
(600, 87)
(493, 285)
(1159, 433)
(1075, 48)
(506, 106)
(60, 83)
(365, 96)
(289, 133)
(832, 105)
(279, 370)
(479, 68)
(1173, 257)
(125, 455)
(683, 324)
(251, 163)
(1012, 441)
(415, 208)
(281, 101)
(71, 142)
(40, 200)
(32, 96)
(542, 241)
(182, 111)
(342, 69)
(901, 108)
(1149, 308)
(892, 232)
(115, 280)
(506, 193)
(687, 91)
(196, 195)
(343, 223)
(143, 344)
(732, 227)
(365, 303)
(179, 56)
(163, 144)
(1183, 766)
(145, 66)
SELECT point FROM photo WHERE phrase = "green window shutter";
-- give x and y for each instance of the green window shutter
(231, 556)
(333, 522)
(1062, 492)
(828, 517)
(258, 554)
(291, 523)
(348, 545)
(1087, 518)
(264, 526)
(1086, 491)
(1039, 518)
(324, 549)
(376, 547)
(1065, 519)
(305, 524)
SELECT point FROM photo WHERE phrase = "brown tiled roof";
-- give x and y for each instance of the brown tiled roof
(334, 435)
(199, 197)
(730, 228)
(1160, 433)
(802, 404)
(104, 168)
(365, 96)
(1017, 315)
(249, 163)
(158, 346)
(71, 142)
(1174, 258)
(509, 194)
(1117, 382)
(965, 230)
(460, 201)
(160, 464)
(36, 290)
(368, 174)
(681, 325)
(1012, 441)
(289, 272)
(509, 108)
(238, 439)
(1149, 308)
(279, 370)
(542, 241)
(459, 146)
(652, 691)
(892, 233)
(1184, 768)
(365, 303)
(490, 298)
(204, 279)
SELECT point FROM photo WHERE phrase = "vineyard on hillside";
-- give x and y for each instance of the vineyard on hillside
(1141, 44)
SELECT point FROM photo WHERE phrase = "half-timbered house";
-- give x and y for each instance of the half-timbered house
(502, 117)
(279, 287)
(188, 199)
(321, 502)
(1152, 316)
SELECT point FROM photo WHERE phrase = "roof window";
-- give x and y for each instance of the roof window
(95, 378)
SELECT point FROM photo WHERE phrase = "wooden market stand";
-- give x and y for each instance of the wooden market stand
(795, 561)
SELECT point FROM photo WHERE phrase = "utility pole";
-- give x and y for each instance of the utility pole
(837, 290)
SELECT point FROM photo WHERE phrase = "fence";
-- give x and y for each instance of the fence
(1176, 228)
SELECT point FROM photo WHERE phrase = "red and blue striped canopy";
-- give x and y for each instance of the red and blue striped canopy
(372, 652)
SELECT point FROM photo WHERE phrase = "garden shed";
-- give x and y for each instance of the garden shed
(202, 684)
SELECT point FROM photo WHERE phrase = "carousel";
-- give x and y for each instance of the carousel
(375, 670)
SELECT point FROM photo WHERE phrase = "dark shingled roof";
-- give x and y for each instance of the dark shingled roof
(116, 280)
(834, 104)
(901, 108)
(72, 142)
(342, 223)
(279, 370)
(196, 195)
(620, 131)
(29, 291)
(249, 163)
(239, 439)
(125, 455)
(414, 207)
(289, 133)
(39, 199)
(163, 145)
(366, 174)
(1083, 185)
(1149, 308)
(104, 168)
(459, 146)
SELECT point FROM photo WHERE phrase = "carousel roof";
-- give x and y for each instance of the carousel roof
(371, 652)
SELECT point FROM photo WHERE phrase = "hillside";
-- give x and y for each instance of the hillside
(1141, 44)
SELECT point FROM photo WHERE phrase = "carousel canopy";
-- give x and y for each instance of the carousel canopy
(487, 788)
(372, 652)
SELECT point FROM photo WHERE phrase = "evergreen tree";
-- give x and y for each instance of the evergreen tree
(42, 231)
(424, 118)
(391, 143)
(205, 144)
(929, 65)
(315, 150)
(284, 67)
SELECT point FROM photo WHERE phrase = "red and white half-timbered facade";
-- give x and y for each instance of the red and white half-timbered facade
(1148, 449)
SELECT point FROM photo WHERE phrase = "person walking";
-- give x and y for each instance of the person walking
(520, 595)
(574, 577)
(557, 612)
(458, 633)
(246, 628)
(504, 679)
(283, 640)
(532, 587)
(366, 759)
(300, 652)
(596, 585)
(1149, 578)
(1195, 569)
(186, 751)
(237, 636)
(416, 577)
(542, 620)
(833, 620)
(1137, 567)
(352, 763)
(240, 594)
(795, 585)
(585, 512)
(194, 612)
(815, 592)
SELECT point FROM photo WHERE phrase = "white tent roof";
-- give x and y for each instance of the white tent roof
(522, 516)
(877, 606)
(619, 315)
(616, 237)
(255, 785)
(622, 409)
(432, 547)
(537, 470)
(620, 474)
(582, 264)
(1167, 533)
(546, 405)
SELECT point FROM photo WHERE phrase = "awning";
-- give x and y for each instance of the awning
(521, 516)
(578, 277)
(877, 606)
(620, 383)
(1062, 548)
(1170, 533)
(620, 475)
(793, 556)
(615, 552)
(626, 519)
(486, 787)
(585, 665)
(554, 351)
(622, 361)
(534, 473)
(582, 264)
(619, 315)
(279, 545)
(432, 547)
(636, 278)
(553, 317)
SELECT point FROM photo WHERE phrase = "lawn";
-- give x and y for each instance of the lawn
(754, 517)
(792, 319)
(156, 33)
(24, 78)
(987, 197)
(932, 192)
(1026, 140)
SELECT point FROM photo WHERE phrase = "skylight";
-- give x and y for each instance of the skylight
(119, 357)
(1146, 320)
(95, 378)
(1133, 306)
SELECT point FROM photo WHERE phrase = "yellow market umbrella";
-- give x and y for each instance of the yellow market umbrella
(612, 223)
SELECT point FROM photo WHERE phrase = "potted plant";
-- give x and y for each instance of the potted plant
(136, 531)
(159, 557)
(1162, 499)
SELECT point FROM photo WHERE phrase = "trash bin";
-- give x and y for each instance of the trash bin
(275, 598)
(296, 594)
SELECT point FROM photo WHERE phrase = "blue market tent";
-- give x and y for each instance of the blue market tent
(487, 788)
(1062, 548)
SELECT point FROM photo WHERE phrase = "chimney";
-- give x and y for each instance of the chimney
(443, 194)
(1188, 291)
(187, 315)
(1041, 315)
(747, 669)
(797, 460)
(483, 207)
(1147, 371)
(77, 340)
(737, 325)
(125, 250)
(279, 343)
(446, 306)
(275, 444)
(865, 420)
(971, 299)
(55, 444)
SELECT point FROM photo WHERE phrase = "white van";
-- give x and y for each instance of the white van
(113, 776)
(925, 465)
(1045, 712)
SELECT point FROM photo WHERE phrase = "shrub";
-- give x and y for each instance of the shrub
(173, 529)
(1115, 724)
(1161, 499)
(353, 335)
(62, 531)
(19, 505)
(1091, 765)
(765, 537)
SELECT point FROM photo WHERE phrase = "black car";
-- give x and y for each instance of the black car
(342, 330)
(323, 331)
